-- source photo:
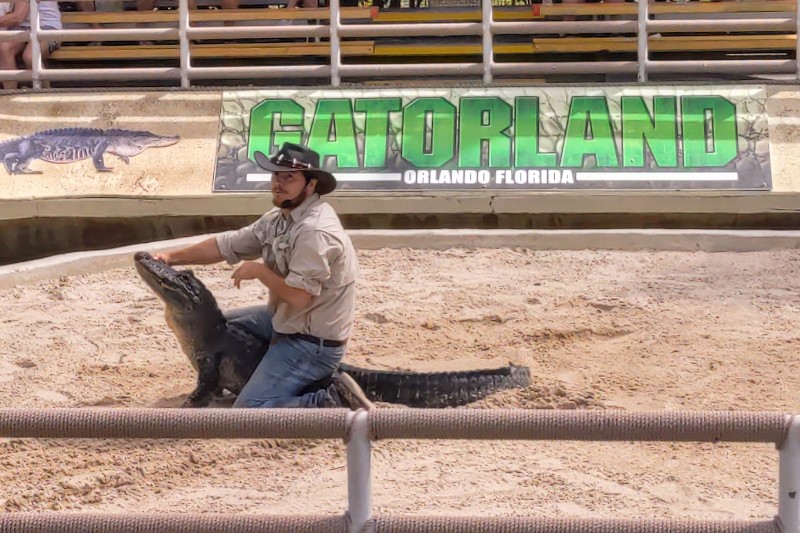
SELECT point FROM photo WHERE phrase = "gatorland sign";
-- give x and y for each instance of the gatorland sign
(506, 138)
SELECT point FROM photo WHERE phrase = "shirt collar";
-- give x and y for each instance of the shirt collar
(301, 210)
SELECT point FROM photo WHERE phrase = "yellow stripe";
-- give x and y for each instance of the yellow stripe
(724, 6)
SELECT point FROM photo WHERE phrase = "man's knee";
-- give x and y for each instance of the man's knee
(247, 401)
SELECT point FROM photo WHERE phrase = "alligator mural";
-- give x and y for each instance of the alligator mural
(225, 355)
(68, 145)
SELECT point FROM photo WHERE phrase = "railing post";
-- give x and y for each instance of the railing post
(641, 39)
(183, 27)
(488, 40)
(359, 482)
(789, 480)
(797, 37)
(36, 48)
(336, 55)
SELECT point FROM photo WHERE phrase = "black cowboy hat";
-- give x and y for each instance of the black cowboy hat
(292, 157)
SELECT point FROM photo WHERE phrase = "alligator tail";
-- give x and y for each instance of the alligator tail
(437, 389)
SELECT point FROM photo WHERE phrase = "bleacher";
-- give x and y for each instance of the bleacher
(755, 29)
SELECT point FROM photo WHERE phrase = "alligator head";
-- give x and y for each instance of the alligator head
(180, 290)
(125, 143)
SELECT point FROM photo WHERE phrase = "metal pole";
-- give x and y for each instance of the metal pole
(488, 40)
(789, 480)
(797, 37)
(336, 53)
(183, 27)
(641, 40)
(359, 483)
(36, 49)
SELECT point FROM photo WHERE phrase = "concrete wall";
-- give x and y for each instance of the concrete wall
(166, 192)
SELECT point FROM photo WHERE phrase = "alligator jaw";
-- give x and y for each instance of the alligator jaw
(180, 290)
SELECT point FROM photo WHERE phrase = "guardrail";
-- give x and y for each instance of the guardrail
(336, 70)
(359, 428)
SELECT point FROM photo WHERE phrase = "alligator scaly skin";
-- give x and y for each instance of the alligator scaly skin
(68, 145)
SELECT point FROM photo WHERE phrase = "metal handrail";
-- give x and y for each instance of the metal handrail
(360, 428)
(337, 29)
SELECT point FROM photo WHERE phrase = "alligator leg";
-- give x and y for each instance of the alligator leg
(18, 164)
(26, 152)
(97, 157)
(10, 161)
(207, 380)
(22, 168)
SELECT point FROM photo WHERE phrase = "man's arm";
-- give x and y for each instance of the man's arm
(278, 289)
(203, 253)
(19, 12)
(308, 269)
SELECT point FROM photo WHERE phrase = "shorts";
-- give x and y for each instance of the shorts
(51, 45)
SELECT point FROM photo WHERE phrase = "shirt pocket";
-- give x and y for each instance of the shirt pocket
(266, 237)
(281, 251)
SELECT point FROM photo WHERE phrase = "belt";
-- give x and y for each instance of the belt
(317, 340)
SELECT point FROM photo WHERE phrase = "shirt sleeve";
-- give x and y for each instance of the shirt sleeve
(241, 244)
(309, 266)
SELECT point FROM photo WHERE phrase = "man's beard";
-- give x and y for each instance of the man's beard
(291, 203)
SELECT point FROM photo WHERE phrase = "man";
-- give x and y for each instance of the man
(17, 17)
(310, 268)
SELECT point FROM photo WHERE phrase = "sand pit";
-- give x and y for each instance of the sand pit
(600, 330)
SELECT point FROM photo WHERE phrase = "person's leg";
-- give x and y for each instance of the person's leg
(288, 367)
(45, 48)
(256, 319)
(8, 59)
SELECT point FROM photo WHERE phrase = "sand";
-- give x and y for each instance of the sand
(600, 330)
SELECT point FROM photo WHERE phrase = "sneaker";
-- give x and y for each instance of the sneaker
(330, 398)
(345, 390)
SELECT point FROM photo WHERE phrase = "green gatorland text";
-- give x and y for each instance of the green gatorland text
(479, 132)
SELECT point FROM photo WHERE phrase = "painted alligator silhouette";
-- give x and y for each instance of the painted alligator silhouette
(68, 145)
(225, 354)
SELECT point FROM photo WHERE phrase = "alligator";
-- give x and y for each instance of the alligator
(68, 145)
(224, 354)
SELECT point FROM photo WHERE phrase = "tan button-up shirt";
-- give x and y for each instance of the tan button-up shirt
(313, 252)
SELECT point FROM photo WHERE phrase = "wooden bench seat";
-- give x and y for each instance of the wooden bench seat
(453, 15)
(211, 15)
(723, 6)
(693, 43)
(347, 13)
(208, 51)
(565, 45)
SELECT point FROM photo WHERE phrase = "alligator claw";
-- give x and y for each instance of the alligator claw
(190, 403)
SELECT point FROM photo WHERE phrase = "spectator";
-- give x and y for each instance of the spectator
(150, 5)
(18, 17)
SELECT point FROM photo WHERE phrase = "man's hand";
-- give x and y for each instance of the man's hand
(248, 270)
(164, 257)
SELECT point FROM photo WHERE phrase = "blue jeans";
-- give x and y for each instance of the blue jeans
(289, 365)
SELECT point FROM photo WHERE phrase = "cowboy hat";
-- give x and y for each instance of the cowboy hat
(293, 157)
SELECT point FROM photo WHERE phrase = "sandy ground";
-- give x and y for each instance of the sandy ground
(600, 330)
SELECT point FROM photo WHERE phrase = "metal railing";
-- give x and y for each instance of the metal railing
(336, 71)
(359, 428)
